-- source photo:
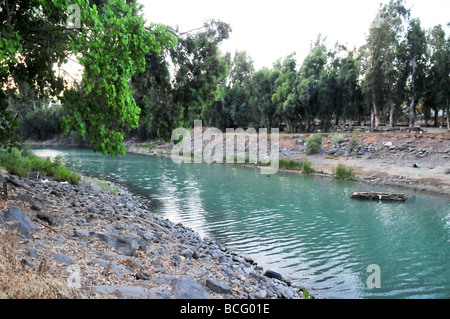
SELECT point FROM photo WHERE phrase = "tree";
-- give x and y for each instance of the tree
(437, 81)
(199, 70)
(382, 45)
(309, 81)
(110, 42)
(287, 108)
(416, 51)
(261, 91)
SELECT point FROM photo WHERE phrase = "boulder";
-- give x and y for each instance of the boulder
(186, 288)
(218, 287)
(17, 219)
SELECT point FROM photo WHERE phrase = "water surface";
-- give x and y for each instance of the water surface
(305, 227)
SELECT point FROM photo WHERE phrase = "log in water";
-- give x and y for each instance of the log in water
(379, 196)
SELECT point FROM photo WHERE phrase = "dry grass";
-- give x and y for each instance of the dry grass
(18, 281)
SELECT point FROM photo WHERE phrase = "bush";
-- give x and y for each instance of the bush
(341, 172)
(15, 163)
(314, 144)
(306, 167)
(290, 164)
(337, 139)
(353, 145)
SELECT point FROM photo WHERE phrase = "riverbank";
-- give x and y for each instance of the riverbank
(414, 161)
(98, 240)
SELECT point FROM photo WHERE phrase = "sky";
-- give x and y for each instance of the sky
(270, 30)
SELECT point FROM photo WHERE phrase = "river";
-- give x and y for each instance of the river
(304, 227)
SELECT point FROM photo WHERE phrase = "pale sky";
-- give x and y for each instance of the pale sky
(269, 30)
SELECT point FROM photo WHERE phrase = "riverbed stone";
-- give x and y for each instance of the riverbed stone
(186, 288)
(17, 219)
(63, 259)
(217, 286)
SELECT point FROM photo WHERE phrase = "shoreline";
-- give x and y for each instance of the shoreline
(104, 242)
(383, 170)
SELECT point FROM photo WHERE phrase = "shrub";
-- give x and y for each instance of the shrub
(337, 139)
(290, 164)
(314, 144)
(353, 145)
(15, 163)
(306, 167)
(341, 172)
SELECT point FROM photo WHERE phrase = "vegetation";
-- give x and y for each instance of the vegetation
(23, 163)
(19, 282)
(146, 80)
(342, 172)
(337, 139)
(314, 144)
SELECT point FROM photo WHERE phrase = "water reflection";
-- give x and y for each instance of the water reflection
(304, 227)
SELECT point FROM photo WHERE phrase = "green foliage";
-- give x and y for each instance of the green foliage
(23, 163)
(314, 144)
(337, 139)
(342, 172)
(306, 167)
(353, 144)
(110, 44)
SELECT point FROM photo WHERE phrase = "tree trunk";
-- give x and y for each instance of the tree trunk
(391, 114)
(413, 93)
(375, 111)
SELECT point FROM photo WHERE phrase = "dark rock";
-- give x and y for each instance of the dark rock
(186, 288)
(273, 274)
(63, 259)
(46, 218)
(18, 183)
(218, 287)
(17, 219)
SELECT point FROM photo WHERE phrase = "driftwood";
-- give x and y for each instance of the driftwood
(379, 196)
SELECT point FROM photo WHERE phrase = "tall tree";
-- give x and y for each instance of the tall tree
(437, 81)
(308, 81)
(416, 51)
(382, 44)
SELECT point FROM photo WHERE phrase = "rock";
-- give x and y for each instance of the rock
(186, 288)
(120, 291)
(46, 218)
(273, 274)
(108, 265)
(81, 233)
(447, 171)
(63, 259)
(218, 287)
(18, 183)
(262, 294)
(35, 204)
(17, 219)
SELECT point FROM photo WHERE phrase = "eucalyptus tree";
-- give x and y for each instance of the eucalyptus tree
(416, 53)
(287, 107)
(437, 81)
(308, 81)
(383, 44)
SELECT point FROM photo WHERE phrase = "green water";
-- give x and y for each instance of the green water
(306, 228)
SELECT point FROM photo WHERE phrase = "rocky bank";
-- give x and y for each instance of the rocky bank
(103, 240)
